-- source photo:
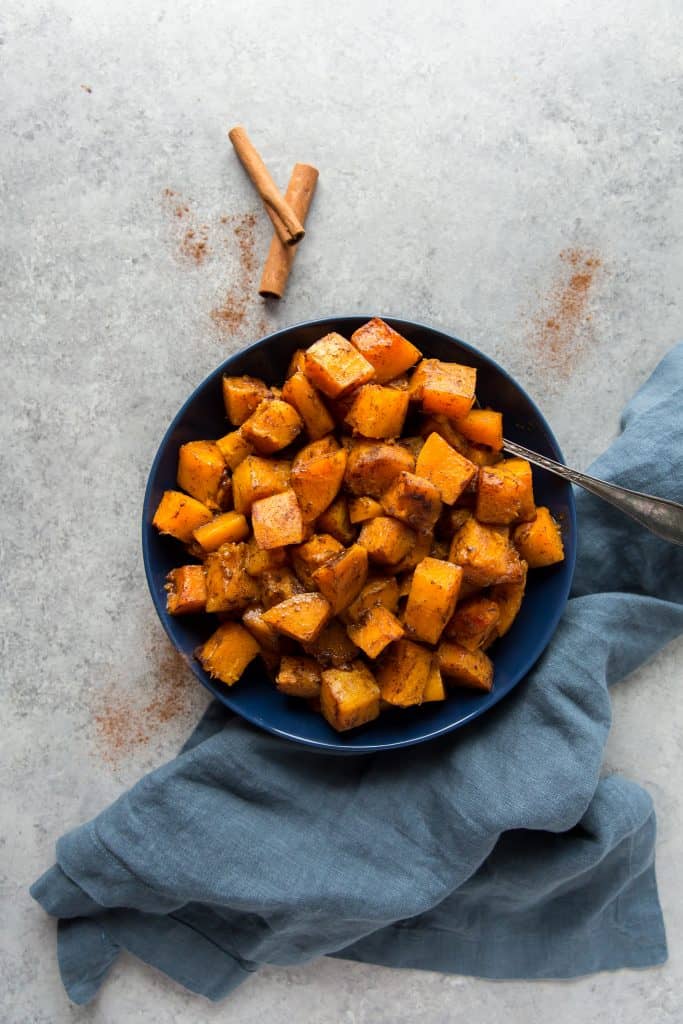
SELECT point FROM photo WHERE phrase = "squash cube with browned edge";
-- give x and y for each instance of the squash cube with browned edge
(508, 597)
(413, 500)
(378, 412)
(372, 466)
(226, 653)
(278, 585)
(272, 426)
(308, 557)
(257, 561)
(445, 388)
(434, 688)
(505, 493)
(341, 579)
(472, 669)
(179, 516)
(300, 393)
(432, 598)
(335, 521)
(268, 639)
(257, 478)
(298, 677)
(242, 395)
(203, 474)
(186, 590)
(300, 617)
(349, 697)
(403, 673)
(363, 508)
(389, 352)
(332, 646)
(317, 474)
(386, 540)
(486, 554)
(335, 367)
(224, 529)
(540, 542)
(229, 588)
(474, 623)
(375, 630)
(422, 548)
(445, 468)
(483, 426)
(234, 448)
(277, 520)
(381, 591)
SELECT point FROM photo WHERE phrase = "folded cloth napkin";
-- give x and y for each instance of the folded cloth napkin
(496, 851)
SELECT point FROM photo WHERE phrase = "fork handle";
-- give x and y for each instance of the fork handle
(659, 515)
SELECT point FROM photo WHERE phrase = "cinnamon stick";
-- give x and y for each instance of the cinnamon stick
(286, 223)
(299, 195)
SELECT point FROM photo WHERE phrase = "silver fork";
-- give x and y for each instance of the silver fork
(659, 515)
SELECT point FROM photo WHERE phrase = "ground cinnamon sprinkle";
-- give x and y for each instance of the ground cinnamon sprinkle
(193, 242)
(234, 307)
(558, 330)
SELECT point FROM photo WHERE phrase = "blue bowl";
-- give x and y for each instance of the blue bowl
(254, 696)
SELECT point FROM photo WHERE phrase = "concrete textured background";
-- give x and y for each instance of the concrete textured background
(462, 149)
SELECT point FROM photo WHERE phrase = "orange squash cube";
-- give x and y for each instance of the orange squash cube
(363, 508)
(505, 493)
(310, 556)
(386, 540)
(272, 426)
(333, 646)
(375, 630)
(444, 388)
(413, 500)
(420, 549)
(432, 598)
(202, 473)
(297, 363)
(403, 673)
(349, 697)
(335, 367)
(179, 516)
(267, 638)
(257, 478)
(483, 426)
(224, 529)
(378, 412)
(341, 579)
(372, 466)
(277, 520)
(434, 688)
(229, 588)
(379, 591)
(540, 542)
(472, 669)
(234, 448)
(278, 585)
(186, 590)
(300, 393)
(226, 653)
(389, 352)
(445, 468)
(298, 677)
(486, 554)
(300, 617)
(242, 395)
(317, 475)
(335, 521)
(474, 623)
(257, 561)
(508, 597)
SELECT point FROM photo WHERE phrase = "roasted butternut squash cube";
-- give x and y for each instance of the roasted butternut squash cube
(386, 540)
(300, 393)
(335, 367)
(257, 560)
(363, 508)
(432, 598)
(224, 529)
(277, 520)
(310, 556)
(341, 579)
(226, 653)
(375, 630)
(333, 646)
(335, 521)
(298, 677)
(445, 388)
(179, 516)
(403, 673)
(186, 590)
(301, 617)
(420, 549)
(508, 597)
(444, 427)
(349, 697)
(540, 542)
(229, 588)
(202, 473)
(372, 466)
(379, 591)
(297, 363)
(483, 426)
(317, 474)
(474, 623)
(278, 585)
(242, 395)
(389, 352)
(267, 638)
(445, 468)
(378, 412)
(272, 426)
(257, 478)
(472, 669)
(234, 448)
(413, 500)
(434, 688)
(486, 554)
(505, 492)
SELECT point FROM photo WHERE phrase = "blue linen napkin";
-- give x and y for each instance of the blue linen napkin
(498, 851)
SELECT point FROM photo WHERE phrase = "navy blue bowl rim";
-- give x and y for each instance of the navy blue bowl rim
(544, 636)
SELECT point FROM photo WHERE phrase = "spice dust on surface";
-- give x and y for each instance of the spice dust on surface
(560, 328)
(235, 305)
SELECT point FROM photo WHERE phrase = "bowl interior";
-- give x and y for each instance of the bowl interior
(255, 697)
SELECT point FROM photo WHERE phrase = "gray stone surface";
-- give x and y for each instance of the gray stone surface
(462, 148)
